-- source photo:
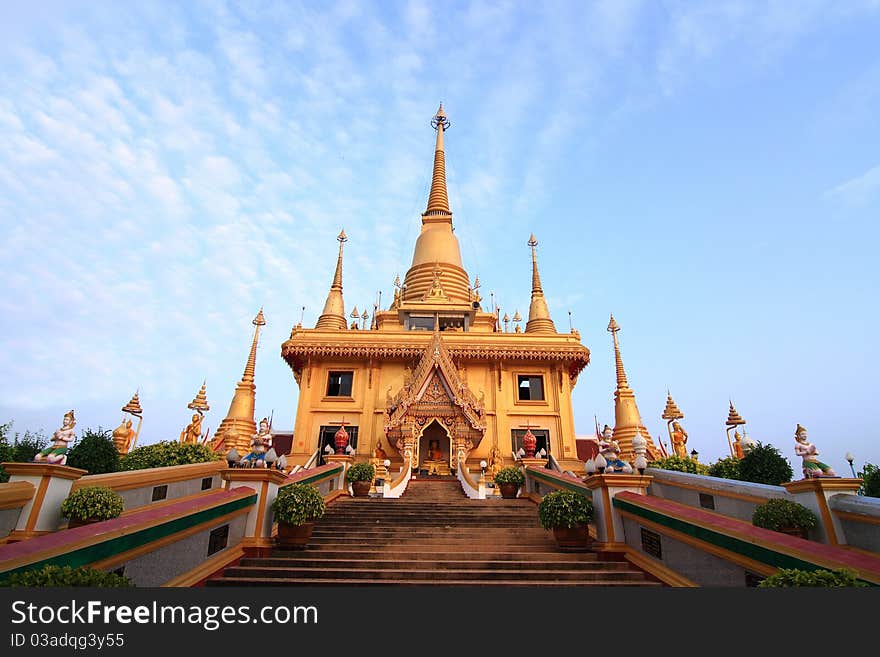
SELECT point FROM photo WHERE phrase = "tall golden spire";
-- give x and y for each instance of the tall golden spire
(333, 317)
(539, 315)
(627, 420)
(438, 199)
(238, 426)
(437, 245)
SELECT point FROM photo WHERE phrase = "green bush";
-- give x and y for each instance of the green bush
(66, 576)
(22, 449)
(763, 464)
(778, 514)
(788, 577)
(510, 475)
(92, 502)
(680, 464)
(726, 468)
(95, 452)
(360, 472)
(165, 453)
(871, 480)
(297, 504)
(565, 508)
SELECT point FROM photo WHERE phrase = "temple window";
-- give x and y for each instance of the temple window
(339, 384)
(530, 387)
(542, 439)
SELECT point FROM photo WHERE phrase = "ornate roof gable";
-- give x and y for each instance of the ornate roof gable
(436, 360)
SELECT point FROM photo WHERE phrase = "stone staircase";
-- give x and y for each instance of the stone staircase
(432, 535)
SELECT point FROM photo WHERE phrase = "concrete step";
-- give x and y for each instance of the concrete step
(480, 575)
(417, 553)
(292, 581)
(432, 564)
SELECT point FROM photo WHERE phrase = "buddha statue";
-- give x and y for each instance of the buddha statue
(56, 453)
(123, 436)
(496, 460)
(738, 450)
(379, 453)
(192, 433)
(679, 440)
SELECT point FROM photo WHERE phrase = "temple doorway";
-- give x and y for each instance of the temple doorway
(434, 450)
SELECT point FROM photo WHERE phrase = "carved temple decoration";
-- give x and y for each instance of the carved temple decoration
(435, 391)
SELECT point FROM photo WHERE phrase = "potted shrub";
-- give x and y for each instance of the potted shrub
(91, 504)
(295, 509)
(788, 577)
(568, 514)
(785, 516)
(509, 479)
(360, 476)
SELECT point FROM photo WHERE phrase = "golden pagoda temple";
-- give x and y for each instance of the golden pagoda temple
(435, 367)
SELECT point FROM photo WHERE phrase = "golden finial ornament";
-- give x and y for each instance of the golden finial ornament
(671, 412)
(517, 317)
(733, 417)
(133, 406)
(200, 401)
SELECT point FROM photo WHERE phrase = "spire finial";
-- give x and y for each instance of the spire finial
(249, 369)
(333, 316)
(613, 328)
(539, 314)
(438, 199)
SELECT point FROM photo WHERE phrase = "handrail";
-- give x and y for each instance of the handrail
(130, 479)
(110, 542)
(308, 464)
(556, 480)
(16, 494)
(471, 488)
(315, 475)
(396, 488)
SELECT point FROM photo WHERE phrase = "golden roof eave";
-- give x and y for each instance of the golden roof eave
(310, 343)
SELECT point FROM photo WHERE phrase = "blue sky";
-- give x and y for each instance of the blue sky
(708, 172)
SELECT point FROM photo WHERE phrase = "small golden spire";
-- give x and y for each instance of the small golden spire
(517, 317)
(333, 317)
(627, 419)
(133, 406)
(355, 314)
(613, 328)
(671, 412)
(539, 314)
(250, 368)
(238, 426)
(200, 401)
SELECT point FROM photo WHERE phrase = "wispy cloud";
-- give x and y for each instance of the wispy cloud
(858, 191)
